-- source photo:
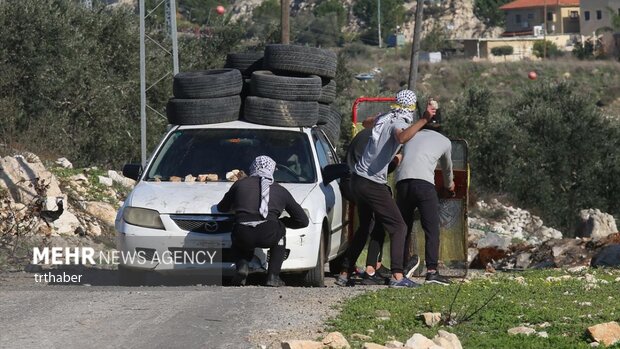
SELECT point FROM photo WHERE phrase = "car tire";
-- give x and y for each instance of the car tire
(328, 92)
(277, 112)
(301, 59)
(245, 62)
(203, 111)
(207, 84)
(131, 277)
(315, 277)
(271, 85)
(329, 121)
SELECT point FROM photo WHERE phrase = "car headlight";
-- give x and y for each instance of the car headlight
(142, 217)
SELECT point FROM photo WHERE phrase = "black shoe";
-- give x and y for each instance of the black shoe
(373, 279)
(412, 265)
(384, 272)
(274, 281)
(434, 277)
(243, 269)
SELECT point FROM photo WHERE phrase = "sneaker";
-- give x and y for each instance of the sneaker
(434, 277)
(412, 265)
(344, 281)
(274, 281)
(384, 272)
(242, 273)
(374, 279)
(404, 282)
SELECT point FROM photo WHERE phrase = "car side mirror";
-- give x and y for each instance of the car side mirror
(335, 171)
(132, 171)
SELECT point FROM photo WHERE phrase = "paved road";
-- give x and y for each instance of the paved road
(37, 315)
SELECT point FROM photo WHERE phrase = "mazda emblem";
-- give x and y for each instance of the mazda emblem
(211, 226)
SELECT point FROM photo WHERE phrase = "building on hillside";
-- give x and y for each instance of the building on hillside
(597, 22)
(480, 49)
(528, 17)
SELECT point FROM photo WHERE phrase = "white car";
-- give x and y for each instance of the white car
(171, 217)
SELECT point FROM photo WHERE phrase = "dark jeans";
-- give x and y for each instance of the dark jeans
(420, 194)
(374, 201)
(265, 235)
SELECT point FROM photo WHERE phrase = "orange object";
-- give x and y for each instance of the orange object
(532, 75)
(220, 10)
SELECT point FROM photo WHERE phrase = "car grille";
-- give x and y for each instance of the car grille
(205, 224)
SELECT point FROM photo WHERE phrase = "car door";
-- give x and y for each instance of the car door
(334, 201)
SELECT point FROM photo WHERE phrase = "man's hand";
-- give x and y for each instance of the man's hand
(451, 190)
(430, 111)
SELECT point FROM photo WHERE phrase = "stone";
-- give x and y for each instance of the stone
(454, 339)
(301, 344)
(64, 163)
(102, 211)
(94, 229)
(383, 314)
(373, 346)
(543, 334)
(189, 179)
(335, 340)
(418, 341)
(361, 337)
(443, 342)
(394, 344)
(606, 333)
(521, 330)
(431, 319)
(608, 256)
(120, 179)
(175, 179)
(596, 224)
(19, 175)
(523, 260)
(66, 223)
(494, 240)
(80, 177)
(105, 181)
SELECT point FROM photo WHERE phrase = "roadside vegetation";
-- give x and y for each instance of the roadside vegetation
(560, 303)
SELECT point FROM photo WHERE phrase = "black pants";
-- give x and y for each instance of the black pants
(374, 201)
(420, 194)
(269, 234)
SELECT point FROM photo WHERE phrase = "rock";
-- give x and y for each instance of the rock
(120, 179)
(335, 340)
(102, 211)
(19, 175)
(418, 341)
(431, 319)
(595, 344)
(521, 330)
(373, 346)
(66, 223)
(383, 315)
(443, 342)
(105, 181)
(94, 229)
(189, 179)
(606, 333)
(494, 240)
(361, 337)
(80, 177)
(299, 344)
(394, 344)
(596, 224)
(543, 334)
(454, 339)
(64, 163)
(608, 256)
(523, 260)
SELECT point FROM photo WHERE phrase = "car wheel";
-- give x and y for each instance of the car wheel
(246, 62)
(277, 112)
(329, 121)
(301, 59)
(291, 88)
(328, 91)
(315, 277)
(207, 83)
(203, 111)
(131, 277)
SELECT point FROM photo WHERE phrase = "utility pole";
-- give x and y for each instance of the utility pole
(379, 22)
(415, 48)
(285, 22)
(545, 32)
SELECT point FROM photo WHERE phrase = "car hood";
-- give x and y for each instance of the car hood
(193, 198)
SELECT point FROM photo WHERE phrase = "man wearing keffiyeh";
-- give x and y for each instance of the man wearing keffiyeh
(369, 184)
(258, 203)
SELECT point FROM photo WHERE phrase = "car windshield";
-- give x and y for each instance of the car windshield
(226, 154)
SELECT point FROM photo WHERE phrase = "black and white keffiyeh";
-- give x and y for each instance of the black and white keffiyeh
(404, 108)
(263, 167)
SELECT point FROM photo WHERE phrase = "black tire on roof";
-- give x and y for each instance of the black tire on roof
(328, 91)
(301, 59)
(277, 112)
(203, 111)
(329, 121)
(271, 85)
(246, 62)
(207, 83)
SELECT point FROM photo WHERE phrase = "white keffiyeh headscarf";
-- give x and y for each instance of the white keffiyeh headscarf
(404, 108)
(263, 167)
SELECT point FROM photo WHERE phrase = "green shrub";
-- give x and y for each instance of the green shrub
(551, 48)
(502, 50)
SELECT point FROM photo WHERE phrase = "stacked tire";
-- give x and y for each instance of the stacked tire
(205, 97)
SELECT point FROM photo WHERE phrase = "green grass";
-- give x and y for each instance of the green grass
(560, 303)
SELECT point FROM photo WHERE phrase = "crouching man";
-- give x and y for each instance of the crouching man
(258, 202)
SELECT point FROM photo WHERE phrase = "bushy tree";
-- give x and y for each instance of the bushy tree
(392, 15)
(502, 50)
(488, 12)
(551, 48)
(264, 25)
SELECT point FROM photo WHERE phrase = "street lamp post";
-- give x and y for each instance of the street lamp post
(379, 22)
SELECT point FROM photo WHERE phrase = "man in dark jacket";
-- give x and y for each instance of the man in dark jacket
(258, 203)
